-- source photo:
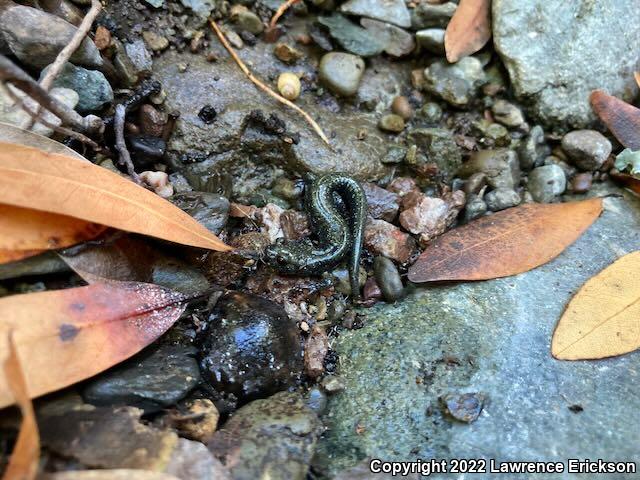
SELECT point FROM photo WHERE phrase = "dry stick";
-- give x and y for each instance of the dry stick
(64, 131)
(11, 73)
(281, 9)
(263, 87)
(65, 54)
(121, 146)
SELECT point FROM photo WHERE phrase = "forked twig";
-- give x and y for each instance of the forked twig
(121, 146)
(264, 87)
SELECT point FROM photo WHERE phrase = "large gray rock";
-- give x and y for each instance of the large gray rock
(557, 52)
(351, 37)
(492, 338)
(250, 151)
(458, 83)
(36, 37)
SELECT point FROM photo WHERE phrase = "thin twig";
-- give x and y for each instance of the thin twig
(19, 102)
(66, 53)
(10, 72)
(121, 146)
(281, 9)
(262, 86)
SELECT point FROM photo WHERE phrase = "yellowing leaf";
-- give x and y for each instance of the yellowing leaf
(603, 318)
(469, 29)
(69, 335)
(32, 178)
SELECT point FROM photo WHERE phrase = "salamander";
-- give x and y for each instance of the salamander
(337, 208)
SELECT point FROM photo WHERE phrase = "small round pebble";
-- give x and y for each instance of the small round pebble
(581, 183)
(401, 107)
(391, 123)
(501, 198)
(587, 149)
(388, 279)
(341, 72)
(546, 183)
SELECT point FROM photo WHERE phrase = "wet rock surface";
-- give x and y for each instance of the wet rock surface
(490, 337)
(271, 438)
(251, 348)
(585, 56)
(151, 381)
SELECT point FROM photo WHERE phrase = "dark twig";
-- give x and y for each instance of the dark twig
(121, 146)
(10, 72)
(19, 102)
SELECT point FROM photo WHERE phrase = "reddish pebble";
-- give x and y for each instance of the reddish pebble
(581, 183)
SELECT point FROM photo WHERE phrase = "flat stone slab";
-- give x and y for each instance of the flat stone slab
(492, 338)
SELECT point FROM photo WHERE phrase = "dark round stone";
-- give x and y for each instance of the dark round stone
(207, 114)
(252, 349)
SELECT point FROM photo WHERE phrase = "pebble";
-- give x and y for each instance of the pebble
(475, 207)
(397, 42)
(390, 11)
(287, 54)
(394, 155)
(439, 146)
(153, 380)
(455, 83)
(146, 149)
(381, 203)
(429, 15)
(151, 121)
(501, 198)
(492, 134)
(139, 56)
(430, 113)
(431, 40)
(272, 438)
(430, 216)
(315, 350)
(155, 41)
(391, 123)
(210, 209)
(581, 183)
(475, 183)
(533, 149)
(546, 183)
(507, 113)
(371, 291)
(403, 185)
(351, 37)
(202, 8)
(36, 37)
(251, 347)
(159, 181)
(384, 238)
(316, 400)
(102, 38)
(196, 420)
(94, 91)
(500, 166)
(246, 20)
(465, 407)
(401, 107)
(332, 384)
(587, 149)
(341, 72)
(388, 279)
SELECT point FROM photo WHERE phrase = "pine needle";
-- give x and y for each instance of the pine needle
(281, 9)
(264, 87)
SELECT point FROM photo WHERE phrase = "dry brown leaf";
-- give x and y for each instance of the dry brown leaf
(7, 256)
(23, 464)
(69, 335)
(601, 320)
(31, 178)
(626, 180)
(469, 29)
(507, 243)
(622, 119)
(636, 75)
(23, 230)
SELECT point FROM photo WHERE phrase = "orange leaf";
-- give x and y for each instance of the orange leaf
(49, 182)
(601, 320)
(621, 118)
(506, 243)
(469, 29)
(7, 256)
(69, 335)
(23, 463)
(23, 229)
(626, 180)
(636, 75)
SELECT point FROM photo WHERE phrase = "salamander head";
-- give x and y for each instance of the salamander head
(281, 257)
